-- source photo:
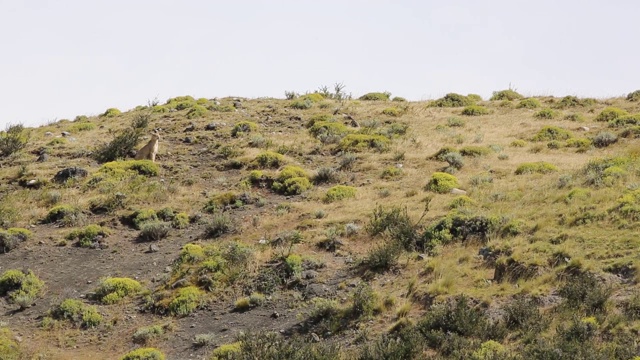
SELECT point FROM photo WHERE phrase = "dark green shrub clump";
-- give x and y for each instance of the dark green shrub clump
(475, 110)
(453, 100)
(65, 215)
(505, 95)
(360, 142)
(546, 114)
(634, 96)
(13, 139)
(604, 139)
(549, 133)
(10, 238)
(21, 287)
(475, 151)
(376, 96)
(124, 142)
(540, 167)
(197, 111)
(529, 103)
(610, 113)
(243, 127)
(88, 236)
(269, 159)
(573, 101)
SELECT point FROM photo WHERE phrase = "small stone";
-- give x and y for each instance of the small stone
(89, 281)
(48, 133)
(457, 191)
(237, 104)
(275, 315)
(43, 158)
(421, 257)
(192, 326)
(167, 269)
(309, 274)
(66, 133)
(188, 140)
(153, 248)
(191, 127)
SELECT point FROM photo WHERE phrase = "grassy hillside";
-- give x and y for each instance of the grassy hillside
(320, 227)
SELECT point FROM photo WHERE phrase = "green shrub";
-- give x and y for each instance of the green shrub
(398, 99)
(21, 287)
(475, 110)
(575, 117)
(65, 215)
(505, 95)
(634, 96)
(546, 114)
(489, 350)
(313, 97)
(604, 139)
(146, 333)
(442, 182)
(140, 217)
(144, 354)
(197, 111)
(122, 169)
(549, 133)
(187, 300)
(87, 126)
(375, 96)
(226, 351)
(269, 159)
(518, 143)
(610, 113)
(455, 122)
(461, 201)
(77, 313)
(474, 97)
(154, 230)
(475, 151)
(625, 120)
(111, 112)
(13, 139)
(584, 291)
(124, 142)
(301, 104)
(391, 172)
(360, 142)
(219, 225)
(88, 235)
(540, 167)
(292, 180)
(325, 175)
(180, 221)
(579, 143)
(220, 201)
(243, 127)
(10, 238)
(392, 111)
(113, 290)
(328, 128)
(339, 192)
(9, 348)
(452, 100)
(293, 264)
(529, 103)
(572, 101)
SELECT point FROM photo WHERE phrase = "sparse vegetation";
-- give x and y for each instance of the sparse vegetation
(610, 113)
(475, 110)
(453, 100)
(442, 182)
(508, 94)
(113, 290)
(13, 139)
(124, 142)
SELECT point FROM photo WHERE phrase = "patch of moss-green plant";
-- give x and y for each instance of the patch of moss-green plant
(391, 172)
(122, 169)
(9, 348)
(10, 238)
(22, 288)
(442, 183)
(475, 110)
(144, 354)
(610, 113)
(339, 192)
(539, 167)
(243, 127)
(197, 111)
(328, 128)
(140, 217)
(268, 159)
(461, 201)
(86, 236)
(78, 313)
(375, 96)
(508, 94)
(549, 133)
(361, 142)
(219, 201)
(529, 103)
(226, 351)
(546, 114)
(64, 214)
(475, 151)
(292, 180)
(113, 290)
(453, 100)
(186, 301)
(111, 112)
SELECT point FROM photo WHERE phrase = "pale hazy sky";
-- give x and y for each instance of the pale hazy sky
(59, 59)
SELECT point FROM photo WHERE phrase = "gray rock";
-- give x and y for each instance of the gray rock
(43, 158)
(69, 173)
(315, 337)
(179, 283)
(309, 274)
(153, 248)
(189, 128)
(212, 127)
(48, 133)
(237, 104)
(188, 140)
(66, 133)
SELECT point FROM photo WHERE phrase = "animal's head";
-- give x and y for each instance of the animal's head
(155, 135)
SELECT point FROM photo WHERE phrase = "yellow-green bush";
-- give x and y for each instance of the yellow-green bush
(292, 180)
(453, 100)
(546, 114)
(65, 215)
(518, 143)
(226, 351)
(549, 133)
(392, 111)
(461, 201)
(539, 167)
(197, 111)
(87, 126)
(140, 217)
(269, 159)
(293, 264)
(505, 95)
(243, 127)
(475, 151)
(122, 169)
(442, 182)
(360, 142)
(13, 139)
(219, 201)
(375, 96)
(145, 333)
(9, 348)
(111, 112)
(339, 192)
(391, 172)
(187, 300)
(529, 103)
(328, 128)
(10, 238)
(86, 235)
(633, 96)
(475, 110)
(112, 290)
(579, 143)
(144, 354)
(77, 313)
(610, 113)
(180, 221)
(21, 287)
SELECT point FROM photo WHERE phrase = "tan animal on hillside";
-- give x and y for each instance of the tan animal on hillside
(149, 151)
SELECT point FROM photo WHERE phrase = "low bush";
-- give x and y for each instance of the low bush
(529, 103)
(113, 290)
(10, 238)
(360, 142)
(219, 202)
(610, 113)
(392, 111)
(197, 111)
(220, 224)
(146, 333)
(268, 159)
(291, 180)
(461, 201)
(508, 94)
(122, 169)
(226, 351)
(140, 217)
(375, 96)
(301, 104)
(575, 117)
(186, 301)
(76, 312)
(391, 172)
(9, 347)
(518, 143)
(475, 151)
(475, 110)
(442, 183)
(579, 143)
(604, 139)
(65, 215)
(546, 114)
(154, 231)
(124, 142)
(398, 99)
(453, 100)
(539, 167)
(622, 121)
(83, 127)
(325, 175)
(180, 221)
(549, 133)
(111, 112)
(144, 354)
(243, 127)
(13, 139)
(88, 236)
(328, 128)
(455, 122)
(21, 287)
(584, 291)
(634, 96)
(339, 192)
